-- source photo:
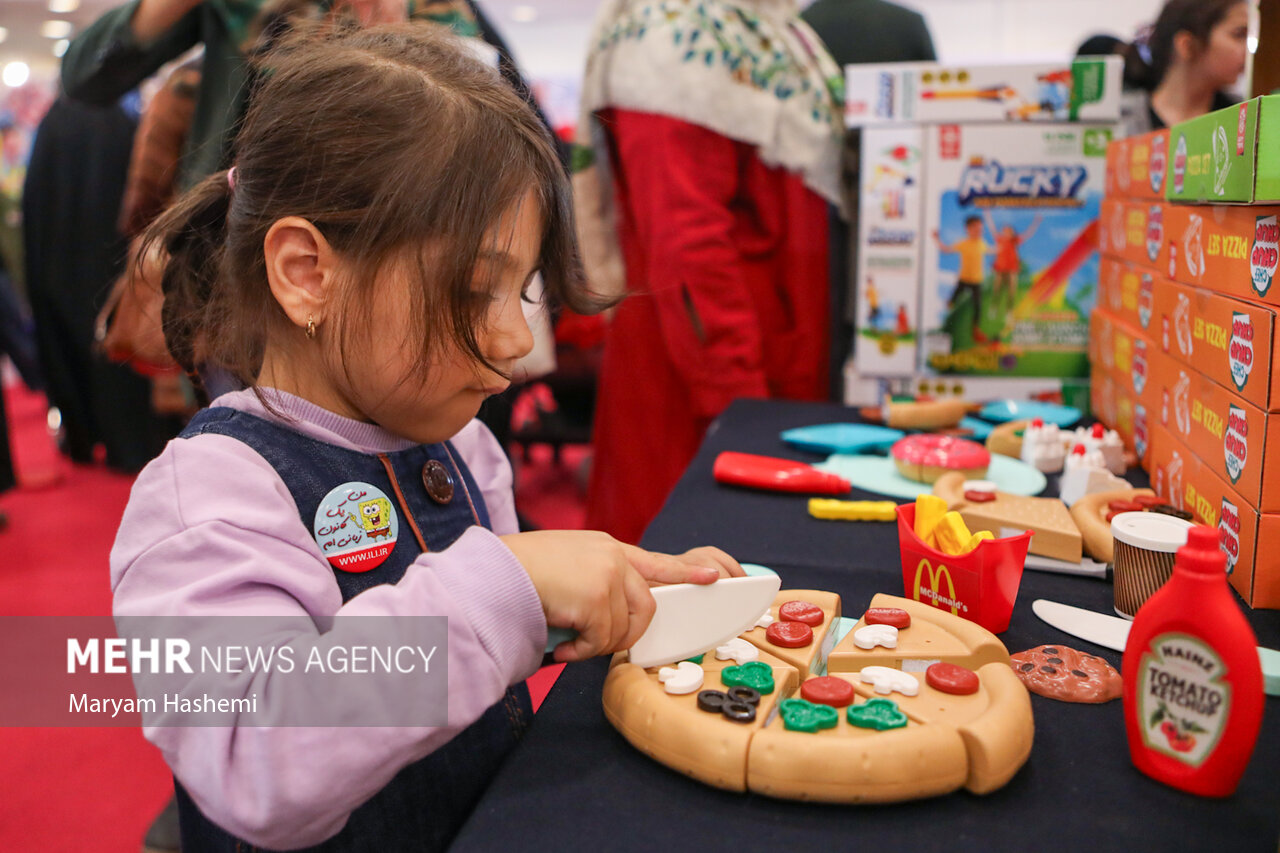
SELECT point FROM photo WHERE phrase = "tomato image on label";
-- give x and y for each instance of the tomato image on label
(356, 527)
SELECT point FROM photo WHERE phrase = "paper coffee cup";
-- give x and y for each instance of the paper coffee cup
(1145, 543)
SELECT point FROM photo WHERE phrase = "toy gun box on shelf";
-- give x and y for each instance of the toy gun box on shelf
(1227, 156)
(1085, 90)
(1178, 475)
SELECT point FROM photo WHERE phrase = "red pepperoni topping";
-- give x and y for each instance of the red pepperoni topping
(1148, 501)
(894, 616)
(1124, 506)
(826, 690)
(801, 611)
(950, 678)
(1111, 515)
(789, 635)
(979, 497)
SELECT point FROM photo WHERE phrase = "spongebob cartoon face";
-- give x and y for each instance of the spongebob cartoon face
(375, 517)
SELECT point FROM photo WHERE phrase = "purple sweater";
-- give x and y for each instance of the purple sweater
(211, 529)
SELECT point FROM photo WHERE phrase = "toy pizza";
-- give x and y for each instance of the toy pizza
(913, 702)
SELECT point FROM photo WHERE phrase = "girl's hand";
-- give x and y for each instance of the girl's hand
(709, 556)
(598, 586)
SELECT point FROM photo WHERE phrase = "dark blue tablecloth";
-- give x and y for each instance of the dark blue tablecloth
(575, 784)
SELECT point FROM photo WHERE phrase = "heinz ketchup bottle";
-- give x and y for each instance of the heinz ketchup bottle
(1192, 680)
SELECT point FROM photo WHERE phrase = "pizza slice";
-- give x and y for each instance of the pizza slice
(850, 764)
(931, 635)
(671, 728)
(990, 710)
(802, 629)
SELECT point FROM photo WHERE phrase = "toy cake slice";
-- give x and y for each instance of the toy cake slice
(933, 635)
(807, 658)
(995, 721)
(1053, 532)
(848, 764)
(674, 731)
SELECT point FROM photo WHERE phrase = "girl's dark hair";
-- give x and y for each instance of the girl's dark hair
(396, 143)
(1148, 60)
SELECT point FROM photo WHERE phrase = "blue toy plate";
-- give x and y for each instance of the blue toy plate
(1002, 411)
(841, 438)
(980, 429)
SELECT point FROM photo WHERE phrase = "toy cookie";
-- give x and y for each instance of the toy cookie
(1058, 672)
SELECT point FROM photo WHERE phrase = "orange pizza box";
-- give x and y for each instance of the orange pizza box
(1229, 249)
(1137, 165)
(1122, 351)
(1231, 341)
(1233, 437)
(1179, 476)
(1134, 231)
(1127, 291)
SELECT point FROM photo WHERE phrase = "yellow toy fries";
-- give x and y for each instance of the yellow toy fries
(929, 511)
(837, 510)
(951, 534)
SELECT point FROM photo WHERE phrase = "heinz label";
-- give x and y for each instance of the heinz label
(1146, 300)
(1240, 349)
(1235, 442)
(1159, 162)
(1265, 253)
(1139, 366)
(1184, 701)
(1229, 533)
(1180, 164)
(1155, 232)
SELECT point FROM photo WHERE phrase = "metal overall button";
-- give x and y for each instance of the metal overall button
(438, 482)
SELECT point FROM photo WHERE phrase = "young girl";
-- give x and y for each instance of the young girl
(360, 270)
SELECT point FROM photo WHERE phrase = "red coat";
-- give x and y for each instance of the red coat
(727, 273)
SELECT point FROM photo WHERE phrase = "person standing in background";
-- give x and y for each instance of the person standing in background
(1195, 52)
(73, 251)
(870, 31)
(706, 159)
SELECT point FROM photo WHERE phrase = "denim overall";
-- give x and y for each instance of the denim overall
(423, 807)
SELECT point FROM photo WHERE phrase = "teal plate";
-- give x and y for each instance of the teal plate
(879, 474)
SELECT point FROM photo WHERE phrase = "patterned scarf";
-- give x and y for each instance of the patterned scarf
(749, 70)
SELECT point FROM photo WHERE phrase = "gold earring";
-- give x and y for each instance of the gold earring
(311, 327)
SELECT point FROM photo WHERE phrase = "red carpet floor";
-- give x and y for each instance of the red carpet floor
(96, 790)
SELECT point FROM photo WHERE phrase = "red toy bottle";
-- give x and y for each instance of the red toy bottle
(1192, 681)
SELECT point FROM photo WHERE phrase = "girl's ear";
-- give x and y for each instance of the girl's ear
(301, 269)
(1186, 46)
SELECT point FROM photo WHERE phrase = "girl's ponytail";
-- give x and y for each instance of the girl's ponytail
(192, 236)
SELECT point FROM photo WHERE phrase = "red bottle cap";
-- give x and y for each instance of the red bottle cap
(1201, 555)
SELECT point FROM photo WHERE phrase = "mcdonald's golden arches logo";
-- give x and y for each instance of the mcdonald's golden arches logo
(933, 593)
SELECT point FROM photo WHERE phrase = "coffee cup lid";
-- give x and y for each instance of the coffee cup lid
(1151, 531)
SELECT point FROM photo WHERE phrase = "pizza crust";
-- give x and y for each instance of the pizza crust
(976, 742)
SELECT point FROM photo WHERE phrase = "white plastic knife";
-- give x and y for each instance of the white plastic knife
(1112, 632)
(693, 618)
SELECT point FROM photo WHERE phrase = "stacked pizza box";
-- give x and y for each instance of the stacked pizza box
(1185, 361)
(978, 198)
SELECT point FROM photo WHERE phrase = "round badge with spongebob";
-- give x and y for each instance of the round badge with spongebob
(356, 527)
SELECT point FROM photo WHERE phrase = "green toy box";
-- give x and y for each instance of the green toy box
(1228, 156)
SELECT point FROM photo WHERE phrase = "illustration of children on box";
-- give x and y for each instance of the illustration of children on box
(873, 303)
(973, 250)
(1008, 262)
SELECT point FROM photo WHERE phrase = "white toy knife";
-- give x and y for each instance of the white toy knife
(1112, 632)
(693, 618)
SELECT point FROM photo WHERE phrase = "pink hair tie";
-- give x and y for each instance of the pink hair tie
(231, 178)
